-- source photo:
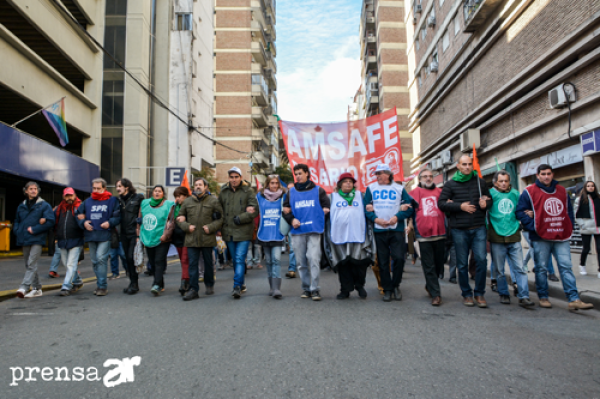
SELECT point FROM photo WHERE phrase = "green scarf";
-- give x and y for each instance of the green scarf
(459, 177)
(349, 197)
(177, 208)
(155, 202)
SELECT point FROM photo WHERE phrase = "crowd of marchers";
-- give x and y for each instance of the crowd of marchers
(346, 230)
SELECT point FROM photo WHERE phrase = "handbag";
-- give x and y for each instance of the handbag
(138, 257)
(169, 226)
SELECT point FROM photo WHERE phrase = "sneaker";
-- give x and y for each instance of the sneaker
(494, 286)
(582, 271)
(545, 303)
(64, 292)
(244, 288)
(316, 296)
(387, 296)
(53, 275)
(468, 301)
(34, 293)
(155, 290)
(114, 276)
(579, 305)
(237, 292)
(526, 303)
(191, 294)
(505, 299)
(209, 291)
(397, 294)
(21, 292)
(305, 294)
(101, 292)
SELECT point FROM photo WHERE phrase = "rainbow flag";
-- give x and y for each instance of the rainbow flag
(55, 114)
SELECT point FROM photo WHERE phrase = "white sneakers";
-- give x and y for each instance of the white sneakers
(21, 292)
(582, 270)
(34, 293)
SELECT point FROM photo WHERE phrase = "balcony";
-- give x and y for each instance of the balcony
(370, 18)
(260, 158)
(258, 53)
(271, 79)
(476, 12)
(370, 62)
(272, 48)
(262, 116)
(260, 90)
(371, 38)
(260, 135)
(273, 102)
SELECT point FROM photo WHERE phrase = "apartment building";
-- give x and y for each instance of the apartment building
(47, 55)
(245, 87)
(384, 68)
(517, 78)
(166, 45)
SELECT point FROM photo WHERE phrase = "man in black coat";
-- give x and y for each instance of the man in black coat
(465, 199)
(130, 208)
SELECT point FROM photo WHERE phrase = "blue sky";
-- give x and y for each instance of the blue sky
(318, 66)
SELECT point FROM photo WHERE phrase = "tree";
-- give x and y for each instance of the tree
(285, 173)
(209, 175)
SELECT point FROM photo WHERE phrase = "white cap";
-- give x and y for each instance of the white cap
(382, 167)
(235, 169)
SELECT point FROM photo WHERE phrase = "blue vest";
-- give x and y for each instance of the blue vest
(99, 212)
(270, 219)
(307, 209)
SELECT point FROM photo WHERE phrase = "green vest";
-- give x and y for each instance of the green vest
(503, 213)
(153, 222)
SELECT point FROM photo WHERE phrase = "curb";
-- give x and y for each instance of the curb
(52, 287)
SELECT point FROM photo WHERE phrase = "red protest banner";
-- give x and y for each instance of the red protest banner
(357, 147)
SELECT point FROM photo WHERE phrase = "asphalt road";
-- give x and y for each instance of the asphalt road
(259, 347)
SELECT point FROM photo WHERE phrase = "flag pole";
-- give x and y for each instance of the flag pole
(36, 112)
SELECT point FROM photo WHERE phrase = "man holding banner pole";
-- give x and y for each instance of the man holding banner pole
(387, 205)
(304, 209)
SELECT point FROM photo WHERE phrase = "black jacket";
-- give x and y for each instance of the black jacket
(464, 192)
(68, 233)
(129, 214)
(323, 200)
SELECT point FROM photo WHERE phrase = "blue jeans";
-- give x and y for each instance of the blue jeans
(272, 259)
(115, 254)
(514, 253)
(99, 254)
(529, 255)
(70, 257)
(562, 253)
(292, 267)
(55, 260)
(238, 251)
(475, 240)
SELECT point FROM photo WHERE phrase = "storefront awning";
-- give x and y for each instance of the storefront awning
(29, 157)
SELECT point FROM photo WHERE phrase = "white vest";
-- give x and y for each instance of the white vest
(348, 223)
(386, 201)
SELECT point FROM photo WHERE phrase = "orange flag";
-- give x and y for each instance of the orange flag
(186, 183)
(476, 166)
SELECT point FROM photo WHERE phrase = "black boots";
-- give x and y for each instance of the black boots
(184, 287)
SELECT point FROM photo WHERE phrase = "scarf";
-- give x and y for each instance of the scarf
(349, 197)
(459, 177)
(64, 207)
(31, 202)
(302, 186)
(177, 208)
(272, 196)
(155, 202)
(101, 197)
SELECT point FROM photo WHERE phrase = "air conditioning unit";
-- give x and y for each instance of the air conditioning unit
(433, 67)
(446, 157)
(431, 20)
(557, 96)
(418, 9)
(468, 138)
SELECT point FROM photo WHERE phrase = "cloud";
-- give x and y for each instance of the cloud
(318, 59)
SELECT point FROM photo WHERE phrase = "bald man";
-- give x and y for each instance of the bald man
(466, 199)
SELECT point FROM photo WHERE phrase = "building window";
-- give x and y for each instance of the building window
(417, 43)
(456, 26)
(419, 79)
(445, 41)
(423, 32)
(183, 21)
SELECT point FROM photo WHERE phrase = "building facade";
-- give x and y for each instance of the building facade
(245, 87)
(384, 68)
(47, 55)
(166, 46)
(517, 78)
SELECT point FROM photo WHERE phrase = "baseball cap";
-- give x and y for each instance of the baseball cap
(68, 191)
(382, 167)
(235, 169)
